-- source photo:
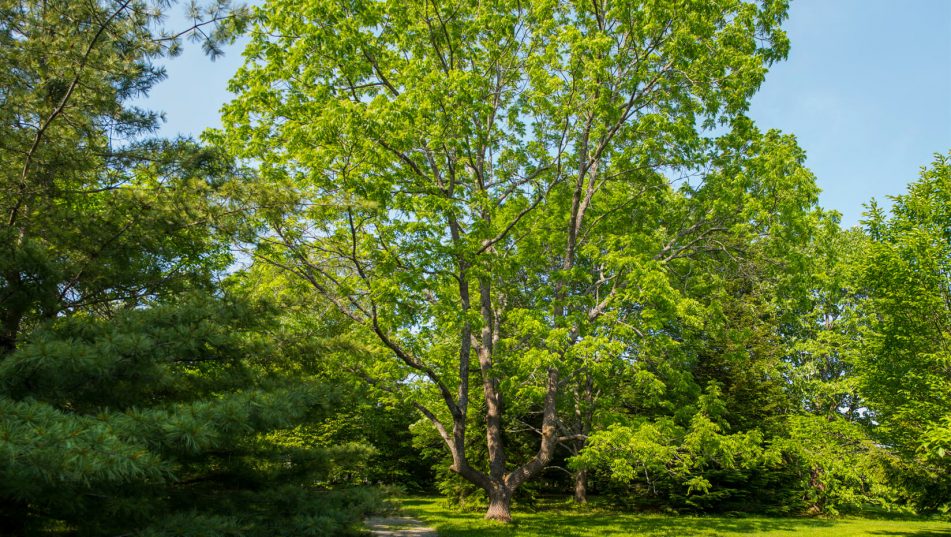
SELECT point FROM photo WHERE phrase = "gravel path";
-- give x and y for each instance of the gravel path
(398, 526)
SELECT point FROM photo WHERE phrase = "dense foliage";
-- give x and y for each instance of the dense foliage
(904, 362)
(137, 393)
(502, 251)
(140, 421)
(502, 189)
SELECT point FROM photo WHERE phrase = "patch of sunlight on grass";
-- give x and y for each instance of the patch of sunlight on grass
(559, 521)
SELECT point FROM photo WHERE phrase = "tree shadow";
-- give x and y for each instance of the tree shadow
(613, 524)
(570, 523)
(914, 533)
(567, 522)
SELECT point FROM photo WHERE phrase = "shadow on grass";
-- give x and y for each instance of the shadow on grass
(914, 533)
(566, 523)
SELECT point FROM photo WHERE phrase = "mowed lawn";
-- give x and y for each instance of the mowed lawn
(557, 522)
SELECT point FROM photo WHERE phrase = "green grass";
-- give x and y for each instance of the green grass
(562, 521)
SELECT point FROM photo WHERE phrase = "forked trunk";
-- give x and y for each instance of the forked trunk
(500, 504)
(500, 485)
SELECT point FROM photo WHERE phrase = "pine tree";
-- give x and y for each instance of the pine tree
(137, 396)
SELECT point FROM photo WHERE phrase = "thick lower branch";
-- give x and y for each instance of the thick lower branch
(549, 438)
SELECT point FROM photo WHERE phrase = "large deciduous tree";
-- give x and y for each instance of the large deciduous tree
(904, 369)
(507, 190)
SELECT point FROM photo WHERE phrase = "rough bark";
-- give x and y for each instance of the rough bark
(490, 385)
(581, 486)
(584, 397)
(500, 503)
(501, 488)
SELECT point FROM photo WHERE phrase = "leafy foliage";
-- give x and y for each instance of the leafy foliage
(906, 358)
(507, 184)
(689, 465)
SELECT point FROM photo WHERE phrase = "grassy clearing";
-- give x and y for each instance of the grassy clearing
(559, 521)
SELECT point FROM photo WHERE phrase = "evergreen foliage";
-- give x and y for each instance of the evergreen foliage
(137, 394)
(140, 422)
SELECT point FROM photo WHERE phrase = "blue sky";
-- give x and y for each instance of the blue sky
(866, 90)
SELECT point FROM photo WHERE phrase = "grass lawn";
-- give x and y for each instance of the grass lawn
(564, 522)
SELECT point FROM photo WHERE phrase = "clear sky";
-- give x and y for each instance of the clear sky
(866, 89)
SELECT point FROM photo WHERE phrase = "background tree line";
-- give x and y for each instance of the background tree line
(500, 251)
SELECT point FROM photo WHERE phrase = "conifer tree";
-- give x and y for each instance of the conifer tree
(137, 396)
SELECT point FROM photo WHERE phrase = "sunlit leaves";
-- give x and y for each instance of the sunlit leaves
(906, 276)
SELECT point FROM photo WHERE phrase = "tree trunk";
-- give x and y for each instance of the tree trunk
(581, 486)
(500, 504)
(11, 318)
(584, 414)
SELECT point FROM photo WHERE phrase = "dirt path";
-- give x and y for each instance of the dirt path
(398, 526)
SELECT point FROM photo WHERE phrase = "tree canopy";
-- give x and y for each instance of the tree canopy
(906, 353)
(516, 186)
